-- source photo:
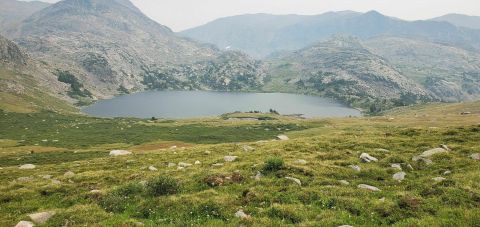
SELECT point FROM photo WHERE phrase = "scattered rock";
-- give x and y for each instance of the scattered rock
(433, 152)
(355, 167)
(152, 168)
(247, 148)
(171, 165)
(119, 153)
(448, 172)
(181, 168)
(230, 158)
(24, 224)
(439, 179)
(368, 187)
(425, 160)
(198, 162)
(382, 150)
(301, 162)
(258, 176)
(47, 177)
(42, 217)
(345, 226)
(24, 179)
(297, 181)
(69, 174)
(184, 164)
(282, 137)
(173, 147)
(208, 152)
(95, 192)
(217, 164)
(382, 199)
(399, 176)
(27, 166)
(364, 157)
(410, 167)
(242, 215)
(396, 166)
(344, 182)
(475, 156)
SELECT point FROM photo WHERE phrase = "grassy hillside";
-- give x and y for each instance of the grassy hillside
(21, 93)
(77, 179)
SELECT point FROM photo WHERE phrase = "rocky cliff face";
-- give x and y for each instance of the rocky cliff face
(343, 68)
(10, 53)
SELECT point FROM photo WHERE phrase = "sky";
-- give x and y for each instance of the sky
(183, 14)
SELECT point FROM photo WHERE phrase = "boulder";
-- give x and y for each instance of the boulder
(301, 162)
(247, 148)
(475, 156)
(368, 187)
(297, 181)
(399, 176)
(242, 215)
(24, 224)
(282, 137)
(364, 157)
(421, 159)
(152, 168)
(355, 167)
(439, 179)
(396, 166)
(184, 164)
(198, 162)
(42, 217)
(119, 153)
(433, 152)
(230, 158)
(69, 174)
(344, 182)
(27, 166)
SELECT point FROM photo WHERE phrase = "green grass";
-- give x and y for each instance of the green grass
(130, 193)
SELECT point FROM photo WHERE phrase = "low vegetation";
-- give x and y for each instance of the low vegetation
(178, 173)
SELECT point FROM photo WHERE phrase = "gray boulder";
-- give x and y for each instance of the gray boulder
(42, 217)
(400, 176)
(119, 153)
(27, 166)
(364, 157)
(368, 187)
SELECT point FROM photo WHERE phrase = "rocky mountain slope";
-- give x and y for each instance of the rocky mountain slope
(12, 12)
(108, 46)
(451, 73)
(277, 33)
(460, 20)
(344, 69)
(10, 53)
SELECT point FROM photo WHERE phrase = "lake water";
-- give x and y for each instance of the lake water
(190, 104)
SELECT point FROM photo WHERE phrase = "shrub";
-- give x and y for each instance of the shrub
(162, 185)
(273, 164)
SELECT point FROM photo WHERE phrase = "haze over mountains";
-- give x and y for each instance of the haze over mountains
(89, 49)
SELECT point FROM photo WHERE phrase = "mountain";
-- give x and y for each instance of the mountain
(451, 73)
(344, 69)
(106, 46)
(12, 12)
(460, 20)
(294, 32)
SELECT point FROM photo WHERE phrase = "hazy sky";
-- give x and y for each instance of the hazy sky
(182, 14)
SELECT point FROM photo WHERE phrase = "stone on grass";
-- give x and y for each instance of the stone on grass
(258, 176)
(396, 166)
(171, 164)
(152, 168)
(242, 215)
(475, 156)
(448, 172)
(297, 181)
(24, 224)
(355, 167)
(382, 150)
(55, 181)
(184, 164)
(69, 174)
(399, 176)
(345, 226)
(119, 153)
(433, 152)
(181, 168)
(344, 182)
(27, 166)
(368, 187)
(230, 158)
(47, 177)
(301, 162)
(217, 164)
(247, 148)
(364, 157)
(282, 137)
(198, 162)
(422, 159)
(42, 217)
(24, 179)
(439, 179)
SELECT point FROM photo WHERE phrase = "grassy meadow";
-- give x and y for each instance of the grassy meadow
(178, 173)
